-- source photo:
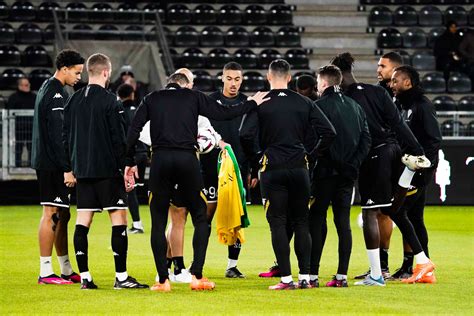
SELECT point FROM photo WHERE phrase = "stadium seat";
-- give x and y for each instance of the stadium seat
(102, 12)
(76, 12)
(267, 56)
(4, 10)
(37, 77)
(423, 61)
(36, 56)
(434, 34)
(128, 13)
(380, 16)
(254, 14)
(150, 12)
(178, 14)
(49, 33)
(253, 81)
(229, 15)
(405, 16)
(389, 38)
(246, 58)
(297, 58)
(262, 36)
(133, 33)
(456, 13)
(414, 38)
(288, 36)
(434, 83)
(466, 103)
(459, 83)
(193, 58)
(151, 35)
(237, 36)
(82, 32)
(186, 36)
(203, 81)
(217, 58)
(108, 32)
(430, 16)
(29, 33)
(471, 17)
(9, 78)
(470, 129)
(7, 33)
(217, 80)
(406, 58)
(175, 57)
(452, 128)
(9, 56)
(212, 36)
(45, 11)
(280, 15)
(462, 31)
(204, 14)
(444, 103)
(22, 11)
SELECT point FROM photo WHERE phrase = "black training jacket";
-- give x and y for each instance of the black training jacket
(47, 151)
(173, 114)
(352, 143)
(141, 149)
(385, 122)
(420, 115)
(282, 125)
(94, 133)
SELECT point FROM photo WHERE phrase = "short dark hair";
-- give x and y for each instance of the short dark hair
(232, 66)
(451, 22)
(411, 73)
(96, 63)
(344, 62)
(394, 57)
(305, 82)
(124, 91)
(68, 58)
(280, 67)
(332, 74)
(178, 78)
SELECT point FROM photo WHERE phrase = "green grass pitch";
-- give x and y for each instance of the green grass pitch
(451, 246)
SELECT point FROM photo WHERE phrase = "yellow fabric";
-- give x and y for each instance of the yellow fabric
(229, 204)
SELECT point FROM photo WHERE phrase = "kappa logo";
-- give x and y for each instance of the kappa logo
(124, 233)
(219, 101)
(58, 199)
(120, 202)
(360, 88)
(58, 96)
(116, 254)
(282, 94)
(409, 113)
(80, 253)
(370, 202)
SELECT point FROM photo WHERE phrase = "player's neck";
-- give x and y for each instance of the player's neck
(279, 85)
(57, 75)
(97, 81)
(229, 96)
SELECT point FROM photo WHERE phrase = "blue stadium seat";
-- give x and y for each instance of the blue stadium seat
(237, 36)
(444, 103)
(434, 34)
(22, 11)
(4, 10)
(9, 78)
(36, 56)
(389, 38)
(204, 14)
(414, 38)
(76, 12)
(267, 56)
(423, 61)
(254, 15)
(45, 11)
(253, 81)
(82, 32)
(456, 13)
(430, 16)
(178, 14)
(186, 36)
(212, 36)
(380, 16)
(128, 13)
(9, 56)
(459, 83)
(7, 33)
(297, 58)
(434, 83)
(262, 36)
(229, 15)
(29, 33)
(37, 77)
(405, 16)
(203, 81)
(288, 36)
(193, 58)
(217, 58)
(247, 58)
(280, 15)
(466, 103)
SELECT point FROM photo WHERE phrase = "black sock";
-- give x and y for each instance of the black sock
(81, 247)
(178, 264)
(234, 250)
(407, 261)
(169, 262)
(119, 247)
(384, 259)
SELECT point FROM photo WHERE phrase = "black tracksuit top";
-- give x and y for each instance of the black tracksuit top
(282, 125)
(173, 114)
(94, 133)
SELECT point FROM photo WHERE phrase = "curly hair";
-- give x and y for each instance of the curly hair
(68, 58)
(344, 62)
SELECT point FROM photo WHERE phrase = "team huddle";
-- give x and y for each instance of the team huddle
(306, 149)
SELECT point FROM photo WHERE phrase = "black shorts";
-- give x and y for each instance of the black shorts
(98, 194)
(53, 191)
(379, 175)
